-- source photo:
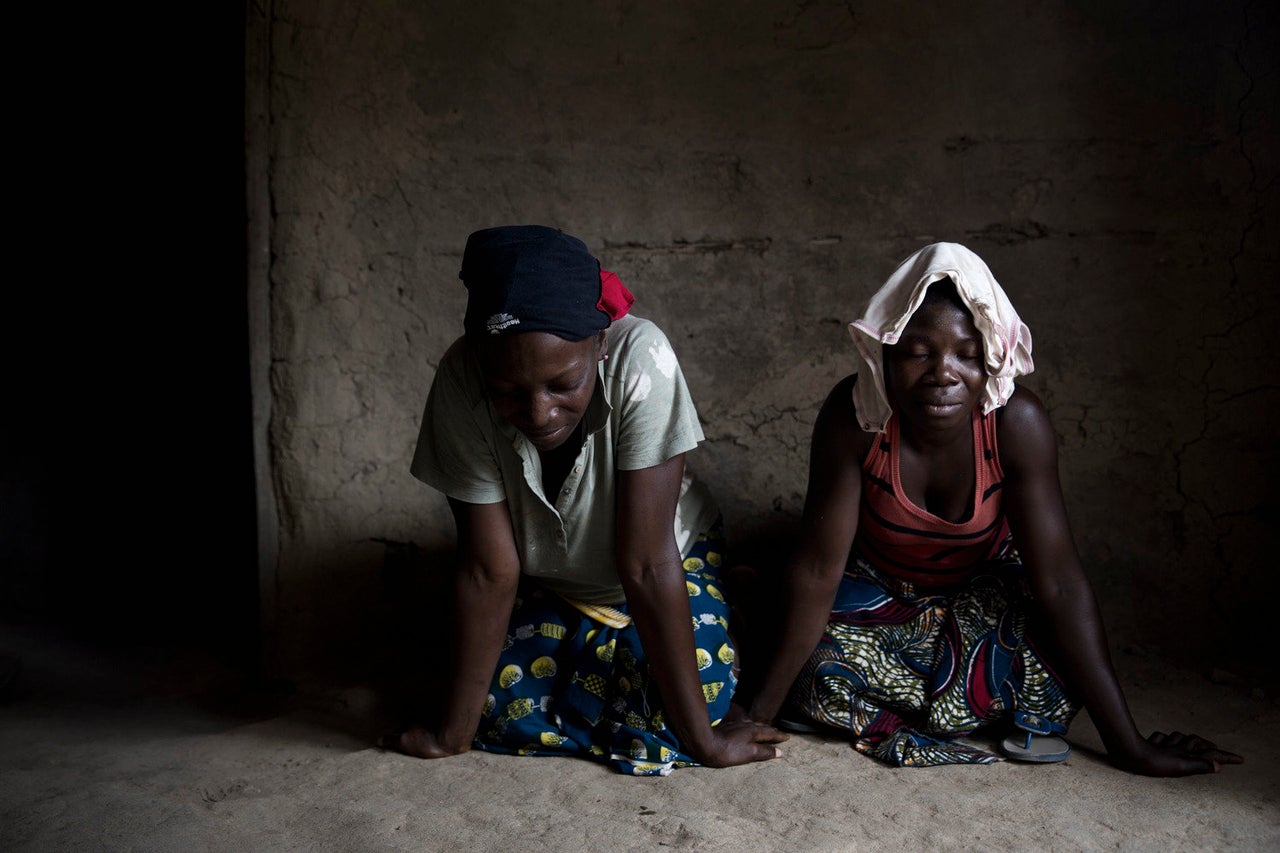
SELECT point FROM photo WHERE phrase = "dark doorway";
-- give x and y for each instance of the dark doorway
(126, 474)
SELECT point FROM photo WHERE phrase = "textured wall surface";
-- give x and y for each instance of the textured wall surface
(754, 171)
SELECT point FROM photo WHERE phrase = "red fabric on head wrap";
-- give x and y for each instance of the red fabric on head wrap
(615, 299)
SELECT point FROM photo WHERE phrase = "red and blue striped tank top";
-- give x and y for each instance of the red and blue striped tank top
(908, 543)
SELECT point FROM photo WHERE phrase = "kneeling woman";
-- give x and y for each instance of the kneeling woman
(557, 427)
(937, 589)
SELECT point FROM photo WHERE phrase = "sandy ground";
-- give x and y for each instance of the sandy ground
(146, 750)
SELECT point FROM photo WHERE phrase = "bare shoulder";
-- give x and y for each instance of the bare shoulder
(839, 402)
(1026, 435)
(837, 430)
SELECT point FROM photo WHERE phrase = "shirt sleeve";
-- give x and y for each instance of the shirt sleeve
(456, 452)
(656, 416)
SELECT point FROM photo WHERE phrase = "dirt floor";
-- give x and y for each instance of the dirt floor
(148, 750)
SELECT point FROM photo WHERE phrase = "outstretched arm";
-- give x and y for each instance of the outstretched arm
(484, 591)
(830, 522)
(1038, 519)
(652, 575)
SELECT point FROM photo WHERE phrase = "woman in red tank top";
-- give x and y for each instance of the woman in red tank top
(937, 589)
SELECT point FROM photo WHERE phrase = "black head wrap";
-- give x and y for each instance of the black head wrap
(531, 278)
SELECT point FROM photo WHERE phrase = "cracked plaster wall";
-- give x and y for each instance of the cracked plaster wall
(753, 171)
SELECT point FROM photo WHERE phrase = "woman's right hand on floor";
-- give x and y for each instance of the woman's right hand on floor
(1175, 754)
(420, 743)
(741, 742)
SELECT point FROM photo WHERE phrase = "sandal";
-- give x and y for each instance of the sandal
(792, 719)
(1040, 744)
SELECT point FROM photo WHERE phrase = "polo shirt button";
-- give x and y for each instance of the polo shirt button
(568, 491)
(578, 469)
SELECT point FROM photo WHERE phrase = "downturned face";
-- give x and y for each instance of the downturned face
(935, 374)
(541, 384)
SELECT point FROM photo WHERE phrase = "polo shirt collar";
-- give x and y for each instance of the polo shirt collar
(599, 409)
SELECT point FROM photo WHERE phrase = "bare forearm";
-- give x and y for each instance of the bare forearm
(1077, 627)
(809, 595)
(1080, 649)
(659, 603)
(483, 607)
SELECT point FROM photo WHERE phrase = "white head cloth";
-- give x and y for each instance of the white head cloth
(1006, 340)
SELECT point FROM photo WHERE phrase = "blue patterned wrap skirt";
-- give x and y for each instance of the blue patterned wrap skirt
(570, 684)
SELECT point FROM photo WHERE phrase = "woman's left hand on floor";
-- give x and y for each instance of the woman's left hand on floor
(1176, 754)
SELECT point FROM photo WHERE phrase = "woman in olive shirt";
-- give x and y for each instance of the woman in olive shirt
(557, 428)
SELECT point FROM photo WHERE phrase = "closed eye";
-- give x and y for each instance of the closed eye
(563, 386)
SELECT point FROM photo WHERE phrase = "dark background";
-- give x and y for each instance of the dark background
(126, 474)
(711, 158)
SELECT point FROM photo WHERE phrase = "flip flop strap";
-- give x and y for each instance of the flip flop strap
(1037, 725)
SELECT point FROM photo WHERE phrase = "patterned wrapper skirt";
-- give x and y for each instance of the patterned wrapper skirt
(571, 684)
(907, 672)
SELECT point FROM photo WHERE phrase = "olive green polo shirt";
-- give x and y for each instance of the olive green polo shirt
(640, 415)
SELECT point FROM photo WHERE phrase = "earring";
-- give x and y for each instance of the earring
(604, 357)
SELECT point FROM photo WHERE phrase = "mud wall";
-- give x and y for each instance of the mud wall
(753, 171)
